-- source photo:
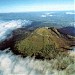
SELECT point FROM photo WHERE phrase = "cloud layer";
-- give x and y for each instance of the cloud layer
(15, 65)
(6, 28)
(47, 15)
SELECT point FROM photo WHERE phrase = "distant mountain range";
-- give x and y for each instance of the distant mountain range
(70, 30)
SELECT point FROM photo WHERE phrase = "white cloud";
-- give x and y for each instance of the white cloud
(70, 13)
(47, 15)
(11, 64)
(7, 27)
(43, 15)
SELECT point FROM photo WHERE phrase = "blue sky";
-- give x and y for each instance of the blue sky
(35, 5)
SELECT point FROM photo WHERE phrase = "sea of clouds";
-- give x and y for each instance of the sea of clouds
(51, 14)
(70, 13)
(7, 27)
(11, 64)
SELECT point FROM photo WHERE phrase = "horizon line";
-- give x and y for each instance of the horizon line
(36, 11)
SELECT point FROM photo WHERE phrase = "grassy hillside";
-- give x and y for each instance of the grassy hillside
(42, 43)
(50, 45)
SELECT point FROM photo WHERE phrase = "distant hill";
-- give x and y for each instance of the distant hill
(70, 30)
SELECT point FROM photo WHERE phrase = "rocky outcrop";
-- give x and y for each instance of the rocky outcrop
(70, 30)
(6, 43)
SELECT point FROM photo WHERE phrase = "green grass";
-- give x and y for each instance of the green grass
(41, 43)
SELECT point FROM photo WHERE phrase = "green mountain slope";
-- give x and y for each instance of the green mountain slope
(43, 42)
